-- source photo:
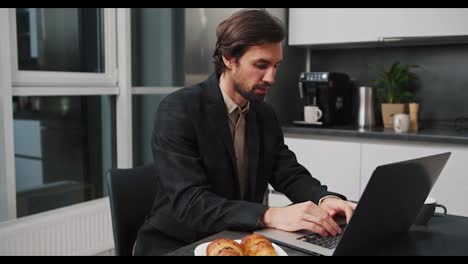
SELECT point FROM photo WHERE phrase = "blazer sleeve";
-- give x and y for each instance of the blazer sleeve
(293, 179)
(182, 176)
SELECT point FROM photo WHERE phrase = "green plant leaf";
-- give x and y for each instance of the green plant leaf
(407, 97)
(392, 84)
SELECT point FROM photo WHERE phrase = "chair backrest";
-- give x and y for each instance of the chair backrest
(131, 195)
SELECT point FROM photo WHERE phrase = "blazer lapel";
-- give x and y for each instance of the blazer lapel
(217, 116)
(252, 148)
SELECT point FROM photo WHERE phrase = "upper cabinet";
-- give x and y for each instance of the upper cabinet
(323, 26)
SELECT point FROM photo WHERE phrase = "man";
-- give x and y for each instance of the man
(217, 145)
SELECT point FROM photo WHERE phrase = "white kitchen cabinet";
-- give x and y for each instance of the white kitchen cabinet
(335, 164)
(451, 189)
(311, 26)
(345, 165)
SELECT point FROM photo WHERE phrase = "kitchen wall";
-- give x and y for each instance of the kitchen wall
(442, 85)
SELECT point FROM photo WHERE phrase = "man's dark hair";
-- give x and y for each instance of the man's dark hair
(245, 28)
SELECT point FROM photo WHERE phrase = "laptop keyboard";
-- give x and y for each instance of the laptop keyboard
(329, 242)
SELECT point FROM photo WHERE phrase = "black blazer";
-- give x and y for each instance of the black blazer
(198, 192)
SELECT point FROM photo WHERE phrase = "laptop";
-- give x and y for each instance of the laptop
(387, 208)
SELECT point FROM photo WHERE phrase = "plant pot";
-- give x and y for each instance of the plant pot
(389, 110)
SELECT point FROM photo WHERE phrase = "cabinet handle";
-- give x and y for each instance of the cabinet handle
(448, 39)
(389, 39)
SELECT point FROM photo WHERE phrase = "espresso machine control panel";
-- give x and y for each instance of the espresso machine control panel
(314, 76)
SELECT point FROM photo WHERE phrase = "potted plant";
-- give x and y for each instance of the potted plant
(394, 90)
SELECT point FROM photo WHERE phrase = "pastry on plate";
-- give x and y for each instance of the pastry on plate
(257, 245)
(224, 247)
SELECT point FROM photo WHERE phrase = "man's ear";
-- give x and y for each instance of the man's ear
(229, 62)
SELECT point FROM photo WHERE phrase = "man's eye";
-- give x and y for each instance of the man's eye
(261, 66)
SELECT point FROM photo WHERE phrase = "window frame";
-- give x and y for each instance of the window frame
(7, 163)
(152, 90)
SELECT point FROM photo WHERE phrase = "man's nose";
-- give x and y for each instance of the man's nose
(269, 76)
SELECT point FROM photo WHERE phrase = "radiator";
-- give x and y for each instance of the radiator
(82, 229)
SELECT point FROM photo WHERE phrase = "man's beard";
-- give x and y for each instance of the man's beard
(250, 94)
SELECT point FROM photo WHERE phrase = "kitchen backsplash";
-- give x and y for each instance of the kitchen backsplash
(442, 72)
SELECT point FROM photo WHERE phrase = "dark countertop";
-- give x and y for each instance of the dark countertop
(434, 135)
(443, 236)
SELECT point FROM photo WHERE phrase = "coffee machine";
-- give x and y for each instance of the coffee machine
(331, 92)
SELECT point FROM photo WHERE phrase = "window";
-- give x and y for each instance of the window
(63, 46)
(63, 149)
(69, 40)
(144, 110)
(59, 98)
(157, 69)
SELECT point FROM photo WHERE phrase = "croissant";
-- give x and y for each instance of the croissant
(257, 245)
(224, 247)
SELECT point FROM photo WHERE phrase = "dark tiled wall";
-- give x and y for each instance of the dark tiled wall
(443, 76)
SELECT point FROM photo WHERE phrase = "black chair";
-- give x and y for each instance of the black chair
(131, 195)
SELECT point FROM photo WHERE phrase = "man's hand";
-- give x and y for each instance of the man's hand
(306, 215)
(337, 207)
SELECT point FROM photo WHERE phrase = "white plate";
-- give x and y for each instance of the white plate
(200, 250)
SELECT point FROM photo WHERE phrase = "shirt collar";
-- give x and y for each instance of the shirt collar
(231, 105)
